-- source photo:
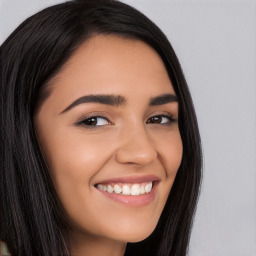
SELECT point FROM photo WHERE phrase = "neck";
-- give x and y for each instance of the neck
(88, 245)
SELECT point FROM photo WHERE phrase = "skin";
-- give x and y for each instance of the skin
(129, 142)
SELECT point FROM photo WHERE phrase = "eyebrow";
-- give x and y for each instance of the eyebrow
(118, 100)
(112, 100)
(163, 99)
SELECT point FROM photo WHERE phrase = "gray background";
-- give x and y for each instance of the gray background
(216, 44)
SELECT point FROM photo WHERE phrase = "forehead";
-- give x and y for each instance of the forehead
(112, 64)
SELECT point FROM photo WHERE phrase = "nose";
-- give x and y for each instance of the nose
(136, 147)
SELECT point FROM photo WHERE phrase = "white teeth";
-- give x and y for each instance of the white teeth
(110, 189)
(102, 187)
(148, 187)
(117, 189)
(127, 189)
(142, 190)
(135, 190)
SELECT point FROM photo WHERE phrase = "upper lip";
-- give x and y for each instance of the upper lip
(130, 179)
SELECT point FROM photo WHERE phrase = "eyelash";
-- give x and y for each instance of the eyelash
(170, 118)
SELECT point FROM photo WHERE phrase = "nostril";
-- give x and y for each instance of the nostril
(132, 154)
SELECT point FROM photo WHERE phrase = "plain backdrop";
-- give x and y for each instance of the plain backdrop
(216, 44)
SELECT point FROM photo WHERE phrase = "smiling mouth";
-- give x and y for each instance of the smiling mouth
(127, 189)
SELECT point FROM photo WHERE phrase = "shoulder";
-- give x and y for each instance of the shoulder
(4, 249)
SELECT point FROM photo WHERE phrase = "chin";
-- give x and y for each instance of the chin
(134, 235)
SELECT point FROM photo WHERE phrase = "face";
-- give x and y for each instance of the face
(110, 137)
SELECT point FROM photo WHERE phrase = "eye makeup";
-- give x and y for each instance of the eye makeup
(98, 121)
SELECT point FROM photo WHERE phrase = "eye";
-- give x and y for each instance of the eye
(94, 121)
(161, 119)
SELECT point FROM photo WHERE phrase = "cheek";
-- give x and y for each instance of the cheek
(76, 153)
(170, 151)
(74, 159)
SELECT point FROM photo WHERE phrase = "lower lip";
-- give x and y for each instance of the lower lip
(140, 200)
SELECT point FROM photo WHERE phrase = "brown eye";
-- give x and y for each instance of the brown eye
(91, 121)
(160, 119)
(95, 121)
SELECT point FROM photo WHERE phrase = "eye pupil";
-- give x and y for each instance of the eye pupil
(156, 119)
(91, 121)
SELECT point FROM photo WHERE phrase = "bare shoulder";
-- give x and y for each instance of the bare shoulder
(4, 249)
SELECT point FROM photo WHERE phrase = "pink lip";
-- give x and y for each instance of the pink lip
(131, 179)
(140, 200)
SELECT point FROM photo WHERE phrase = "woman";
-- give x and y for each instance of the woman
(100, 149)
